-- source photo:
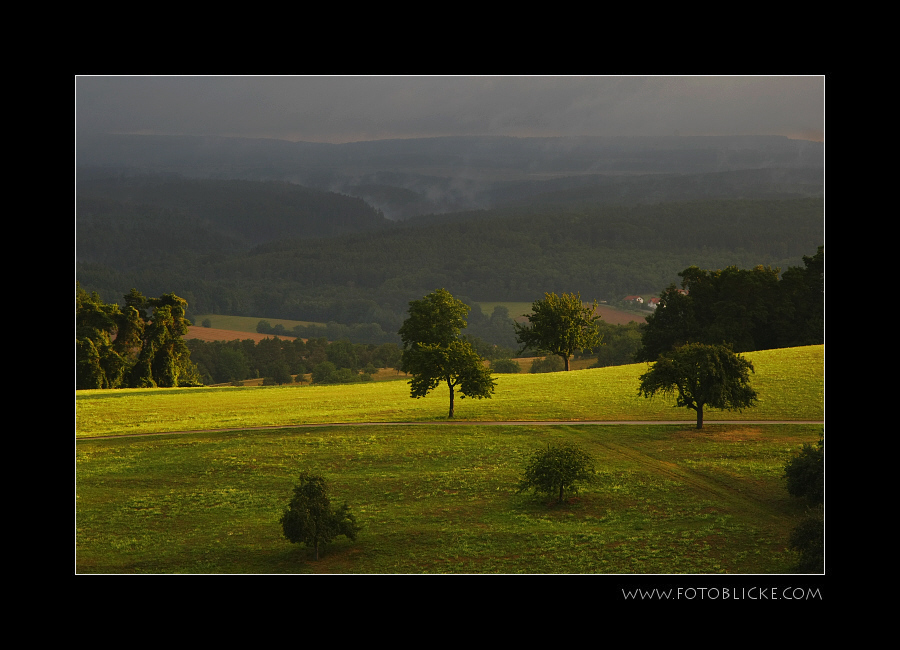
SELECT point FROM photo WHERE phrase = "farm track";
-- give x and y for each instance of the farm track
(718, 490)
(491, 423)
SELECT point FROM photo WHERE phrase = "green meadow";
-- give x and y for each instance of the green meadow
(441, 499)
(790, 384)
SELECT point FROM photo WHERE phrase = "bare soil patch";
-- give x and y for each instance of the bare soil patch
(618, 317)
(213, 334)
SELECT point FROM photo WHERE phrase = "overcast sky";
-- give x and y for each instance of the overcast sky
(349, 109)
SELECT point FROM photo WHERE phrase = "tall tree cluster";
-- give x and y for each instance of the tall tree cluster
(136, 346)
(745, 309)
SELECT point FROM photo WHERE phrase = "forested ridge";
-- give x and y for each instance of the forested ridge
(129, 222)
(273, 249)
(370, 275)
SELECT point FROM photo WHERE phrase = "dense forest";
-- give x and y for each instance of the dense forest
(369, 276)
(746, 309)
(276, 360)
(301, 230)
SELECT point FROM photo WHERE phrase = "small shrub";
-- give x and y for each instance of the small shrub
(557, 469)
(505, 366)
(206, 323)
(805, 473)
(327, 373)
(309, 518)
(550, 363)
(808, 540)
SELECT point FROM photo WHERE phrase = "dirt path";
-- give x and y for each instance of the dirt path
(492, 423)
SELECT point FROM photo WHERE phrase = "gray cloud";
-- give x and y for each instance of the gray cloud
(344, 109)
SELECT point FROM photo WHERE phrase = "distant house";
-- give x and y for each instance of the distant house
(653, 303)
(634, 299)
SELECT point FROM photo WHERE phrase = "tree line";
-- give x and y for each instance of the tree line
(605, 252)
(140, 344)
(278, 360)
(746, 309)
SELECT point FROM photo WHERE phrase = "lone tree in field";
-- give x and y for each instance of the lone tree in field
(560, 325)
(433, 351)
(701, 375)
(309, 518)
(556, 469)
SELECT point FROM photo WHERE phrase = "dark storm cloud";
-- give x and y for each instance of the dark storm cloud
(343, 109)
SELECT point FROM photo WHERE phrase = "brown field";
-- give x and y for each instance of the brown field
(618, 317)
(383, 374)
(213, 334)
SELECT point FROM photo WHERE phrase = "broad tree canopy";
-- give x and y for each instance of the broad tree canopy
(557, 469)
(434, 352)
(560, 325)
(701, 375)
(747, 309)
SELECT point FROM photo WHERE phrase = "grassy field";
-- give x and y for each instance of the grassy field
(790, 384)
(442, 499)
(438, 499)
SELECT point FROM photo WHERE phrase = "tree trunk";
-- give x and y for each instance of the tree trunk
(560, 493)
(700, 416)
(566, 359)
(451, 399)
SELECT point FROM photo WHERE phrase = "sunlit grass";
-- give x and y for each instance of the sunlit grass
(434, 499)
(790, 384)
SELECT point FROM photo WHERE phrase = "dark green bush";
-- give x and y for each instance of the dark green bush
(808, 540)
(551, 363)
(506, 366)
(309, 518)
(556, 469)
(805, 473)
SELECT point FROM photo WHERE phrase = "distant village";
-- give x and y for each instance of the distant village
(638, 302)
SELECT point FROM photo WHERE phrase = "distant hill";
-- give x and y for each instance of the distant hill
(131, 219)
(301, 230)
(404, 178)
